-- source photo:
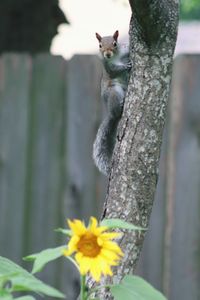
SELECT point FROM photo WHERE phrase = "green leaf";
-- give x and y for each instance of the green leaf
(7, 297)
(42, 258)
(117, 223)
(135, 288)
(6, 278)
(25, 298)
(8, 268)
(64, 231)
(24, 281)
(5, 294)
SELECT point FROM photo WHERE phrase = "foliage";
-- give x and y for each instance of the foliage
(131, 287)
(135, 288)
(190, 9)
(14, 278)
(117, 223)
(29, 25)
(44, 257)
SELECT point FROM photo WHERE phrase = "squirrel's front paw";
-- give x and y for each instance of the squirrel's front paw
(129, 65)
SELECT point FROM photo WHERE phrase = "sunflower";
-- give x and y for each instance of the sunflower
(94, 250)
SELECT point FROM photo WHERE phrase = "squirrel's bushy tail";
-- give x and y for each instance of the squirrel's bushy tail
(104, 144)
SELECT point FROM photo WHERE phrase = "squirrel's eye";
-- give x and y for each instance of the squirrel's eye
(100, 45)
(114, 44)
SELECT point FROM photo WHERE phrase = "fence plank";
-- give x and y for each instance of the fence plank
(45, 156)
(83, 86)
(14, 94)
(184, 266)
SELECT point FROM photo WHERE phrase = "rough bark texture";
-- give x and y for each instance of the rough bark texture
(133, 178)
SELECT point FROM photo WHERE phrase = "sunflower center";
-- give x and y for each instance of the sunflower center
(88, 245)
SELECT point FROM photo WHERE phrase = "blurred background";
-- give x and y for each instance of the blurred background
(49, 113)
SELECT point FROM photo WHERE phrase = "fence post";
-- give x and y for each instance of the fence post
(182, 264)
(45, 172)
(15, 77)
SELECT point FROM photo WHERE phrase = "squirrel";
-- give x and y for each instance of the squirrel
(115, 59)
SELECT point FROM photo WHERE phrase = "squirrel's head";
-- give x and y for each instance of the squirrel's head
(108, 45)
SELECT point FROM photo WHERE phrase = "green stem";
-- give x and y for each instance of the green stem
(83, 293)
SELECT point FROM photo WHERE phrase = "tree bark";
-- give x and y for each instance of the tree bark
(133, 178)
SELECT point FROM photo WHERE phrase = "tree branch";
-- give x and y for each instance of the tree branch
(133, 177)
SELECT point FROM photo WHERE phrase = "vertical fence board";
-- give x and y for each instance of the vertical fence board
(81, 199)
(14, 94)
(45, 176)
(83, 86)
(184, 262)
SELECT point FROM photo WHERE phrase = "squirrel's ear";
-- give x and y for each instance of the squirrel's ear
(115, 35)
(99, 38)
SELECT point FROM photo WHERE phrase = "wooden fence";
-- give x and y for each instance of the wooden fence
(49, 113)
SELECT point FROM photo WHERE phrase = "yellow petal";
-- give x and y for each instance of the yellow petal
(113, 247)
(95, 271)
(85, 265)
(79, 257)
(107, 270)
(67, 252)
(109, 255)
(72, 245)
(93, 227)
(93, 223)
(99, 241)
(77, 227)
(110, 235)
(98, 231)
(104, 265)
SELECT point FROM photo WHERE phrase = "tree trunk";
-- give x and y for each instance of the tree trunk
(134, 173)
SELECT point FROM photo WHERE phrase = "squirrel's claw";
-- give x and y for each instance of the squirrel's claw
(129, 65)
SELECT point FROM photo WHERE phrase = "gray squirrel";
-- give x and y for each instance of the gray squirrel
(115, 58)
